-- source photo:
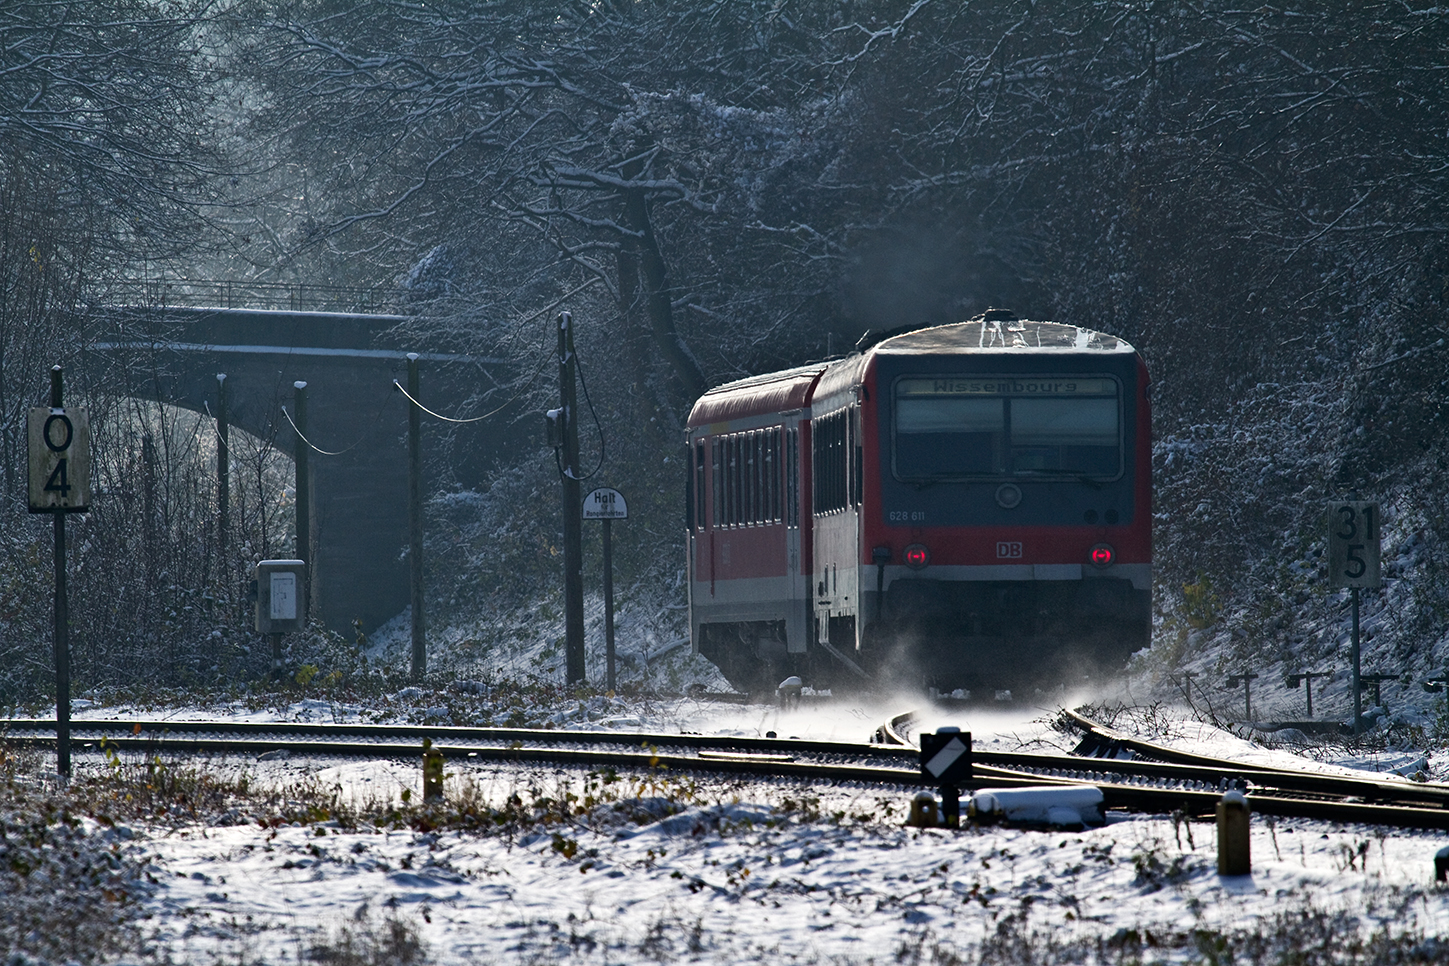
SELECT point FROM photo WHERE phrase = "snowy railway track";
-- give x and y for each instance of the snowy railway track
(784, 757)
(1136, 775)
(1141, 782)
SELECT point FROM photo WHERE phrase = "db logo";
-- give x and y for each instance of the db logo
(1008, 549)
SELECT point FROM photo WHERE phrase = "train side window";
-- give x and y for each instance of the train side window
(699, 518)
(772, 475)
(831, 465)
(742, 471)
(737, 502)
(792, 478)
(717, 464)
(760, 478)
(857, 463)
(752, 478)
(730, 486)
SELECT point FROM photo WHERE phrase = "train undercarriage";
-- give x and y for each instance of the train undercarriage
(980, 637)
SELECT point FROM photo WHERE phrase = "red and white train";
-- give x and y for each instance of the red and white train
(962, 506)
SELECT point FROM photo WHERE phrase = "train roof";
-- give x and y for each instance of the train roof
(773, 392)
(791, 389)
(1002, 336)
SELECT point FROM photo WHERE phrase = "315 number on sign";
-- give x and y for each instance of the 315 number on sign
(1353, 544)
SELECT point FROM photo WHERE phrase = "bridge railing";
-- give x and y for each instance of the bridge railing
(228, 294)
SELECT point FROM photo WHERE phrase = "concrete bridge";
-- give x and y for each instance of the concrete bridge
(359, 514)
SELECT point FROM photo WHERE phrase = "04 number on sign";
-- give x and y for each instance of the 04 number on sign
(60, 463)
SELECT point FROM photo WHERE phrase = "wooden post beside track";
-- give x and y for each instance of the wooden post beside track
(415, 523)
(573, 527)
(303, 485)
(223, 476)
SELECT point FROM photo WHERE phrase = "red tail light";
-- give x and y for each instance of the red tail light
(916, 556)
(1102, 555)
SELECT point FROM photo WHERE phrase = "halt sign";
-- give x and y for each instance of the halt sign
(1353, 544)
(605, 503)
(60, 460)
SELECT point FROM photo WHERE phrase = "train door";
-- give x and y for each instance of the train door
(797, 620)
(698, 536)
(835, 508)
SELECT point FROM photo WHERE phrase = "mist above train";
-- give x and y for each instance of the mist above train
(962, 506)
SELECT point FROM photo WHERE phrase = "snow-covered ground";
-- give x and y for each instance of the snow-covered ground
(738, 880)
(767, 870)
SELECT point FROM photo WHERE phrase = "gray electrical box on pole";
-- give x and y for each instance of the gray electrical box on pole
(281, 603)
(281, 589)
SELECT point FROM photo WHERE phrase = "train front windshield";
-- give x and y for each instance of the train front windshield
(1004, 427)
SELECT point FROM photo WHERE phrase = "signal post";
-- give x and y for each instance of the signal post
(59, 483)
(1353, 562)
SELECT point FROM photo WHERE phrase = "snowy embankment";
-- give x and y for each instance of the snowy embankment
(831, 880)
(320, 855)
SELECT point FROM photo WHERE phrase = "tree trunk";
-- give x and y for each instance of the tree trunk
(657, 296)
(635, 339)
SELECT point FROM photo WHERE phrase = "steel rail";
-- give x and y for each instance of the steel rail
(773, 765)
(1200, 775)
(761, 757)
(1148, 756)
(317, 732)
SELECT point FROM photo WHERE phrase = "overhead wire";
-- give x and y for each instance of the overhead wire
(360, 440)
(473, 419)
(598, 426)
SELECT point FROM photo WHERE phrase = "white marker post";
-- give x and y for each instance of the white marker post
(607, 504)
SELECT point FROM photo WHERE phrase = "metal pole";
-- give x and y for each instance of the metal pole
(303, 487)
(572, 508)
(608, 605)
(1308, 690)
(415, 522)
(223, 475)
(1357, 686)
(62, 616)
